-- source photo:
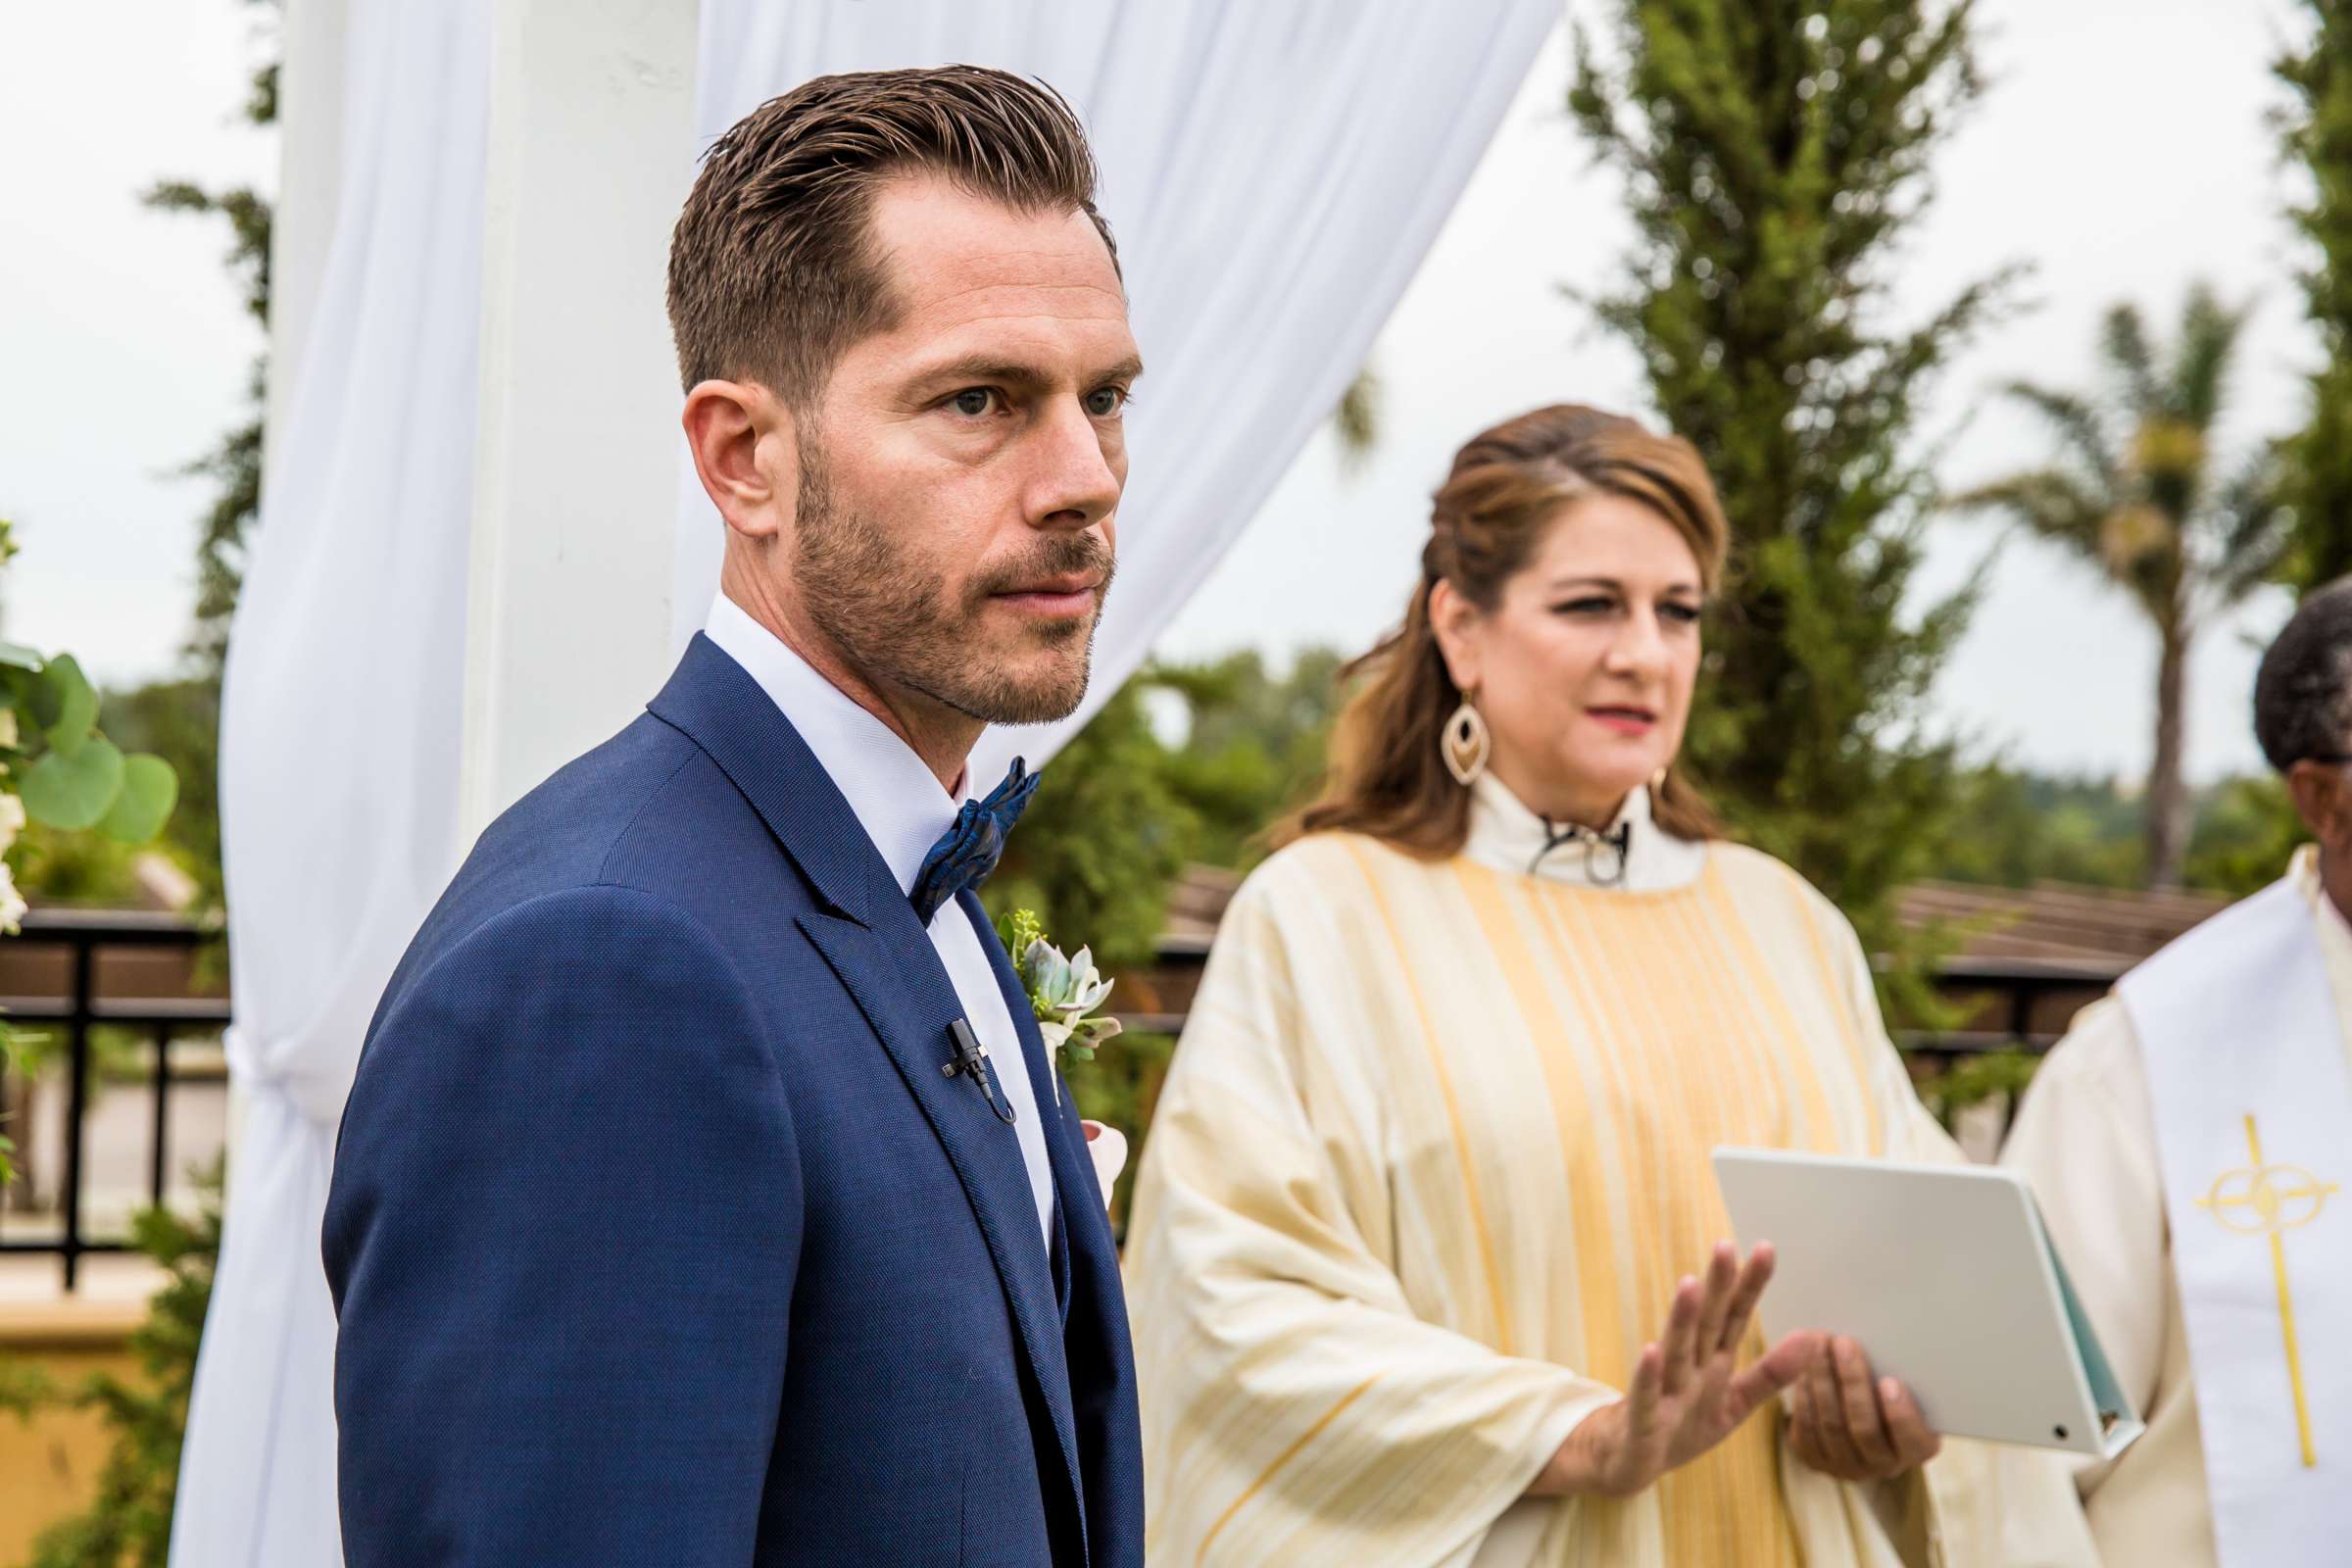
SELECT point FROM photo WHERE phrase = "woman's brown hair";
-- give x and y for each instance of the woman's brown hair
(1386, 777)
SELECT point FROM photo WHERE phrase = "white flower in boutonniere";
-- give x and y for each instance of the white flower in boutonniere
(1063, 993)
(11, 822)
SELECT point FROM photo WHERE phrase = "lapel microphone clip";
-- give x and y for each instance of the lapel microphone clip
(971, 1060)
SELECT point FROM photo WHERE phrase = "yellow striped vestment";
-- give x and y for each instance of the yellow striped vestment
(1428, 1164)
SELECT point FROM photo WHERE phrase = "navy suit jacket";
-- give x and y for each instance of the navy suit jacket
(658, 1236)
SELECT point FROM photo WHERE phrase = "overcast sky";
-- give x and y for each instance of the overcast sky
(2123, 151)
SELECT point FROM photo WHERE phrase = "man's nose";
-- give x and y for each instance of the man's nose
(1074, 482)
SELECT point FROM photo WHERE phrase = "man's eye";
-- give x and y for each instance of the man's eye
(1105, 402)
(973, 402)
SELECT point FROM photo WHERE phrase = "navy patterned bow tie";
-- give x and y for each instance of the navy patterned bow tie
(968, 850)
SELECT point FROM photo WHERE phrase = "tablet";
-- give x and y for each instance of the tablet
(1944, 1275)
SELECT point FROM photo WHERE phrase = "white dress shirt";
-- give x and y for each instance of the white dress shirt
(899, 802)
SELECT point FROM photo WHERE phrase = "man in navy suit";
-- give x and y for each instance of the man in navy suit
(705, 1196)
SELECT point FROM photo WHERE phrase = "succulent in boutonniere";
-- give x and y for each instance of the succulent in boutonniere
(1063, 991)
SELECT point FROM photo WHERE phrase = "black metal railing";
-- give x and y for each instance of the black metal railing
(2020, 986)
(77, 1009)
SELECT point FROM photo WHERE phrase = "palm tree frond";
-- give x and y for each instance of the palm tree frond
(2200, 368)
(2048, 503)
(2255, 529)
(2124, 339)
(2078, 423)
(2255, 569)
(2134, 488)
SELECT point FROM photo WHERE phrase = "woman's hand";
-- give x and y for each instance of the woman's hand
(1687, 1393)
(1845, 1425)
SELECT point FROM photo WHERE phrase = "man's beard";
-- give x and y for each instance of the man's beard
(897, 622)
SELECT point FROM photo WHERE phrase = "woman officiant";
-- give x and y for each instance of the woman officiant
(1426, 1261)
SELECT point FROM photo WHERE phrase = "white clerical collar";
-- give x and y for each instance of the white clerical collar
(2336, 934)
(1508, 836)
(897, 798)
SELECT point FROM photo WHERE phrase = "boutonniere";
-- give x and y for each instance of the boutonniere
(1063, 991)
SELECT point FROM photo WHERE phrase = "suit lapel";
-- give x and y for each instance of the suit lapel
(720, 708)
(1065, 1135)
(884, 959)
(907, 998)
(1094, 1310)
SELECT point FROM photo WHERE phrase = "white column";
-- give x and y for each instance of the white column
(575, 476)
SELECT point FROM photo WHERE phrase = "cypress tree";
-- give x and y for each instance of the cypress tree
(2317, 132)
(1774, 154)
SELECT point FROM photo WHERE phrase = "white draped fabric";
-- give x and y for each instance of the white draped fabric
(1274, 175)
(339, 751)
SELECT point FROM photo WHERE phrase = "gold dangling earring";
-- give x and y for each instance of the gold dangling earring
(1465, 743)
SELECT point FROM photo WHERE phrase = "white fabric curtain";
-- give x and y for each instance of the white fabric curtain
(1274, 175)
(340, 728)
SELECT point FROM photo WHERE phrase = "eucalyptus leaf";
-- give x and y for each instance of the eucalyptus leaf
(74, 789)
(66, 704)
(15, 656)
(150, 789)
(44, 699)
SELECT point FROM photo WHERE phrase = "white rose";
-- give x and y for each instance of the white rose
(11, 902)
(1108, 1147)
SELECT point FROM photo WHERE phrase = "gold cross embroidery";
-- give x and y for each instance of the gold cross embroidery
(2274, 1200)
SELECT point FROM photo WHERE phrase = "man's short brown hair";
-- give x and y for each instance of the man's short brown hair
(772, 272)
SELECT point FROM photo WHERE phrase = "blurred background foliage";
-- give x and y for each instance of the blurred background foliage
(127, 1521)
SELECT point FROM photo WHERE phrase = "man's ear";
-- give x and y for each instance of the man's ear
(742, 438)
(1454, 621)
(2323, 801)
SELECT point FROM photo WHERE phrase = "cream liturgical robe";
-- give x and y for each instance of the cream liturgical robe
(1429, 1162)
(2086, 1137)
